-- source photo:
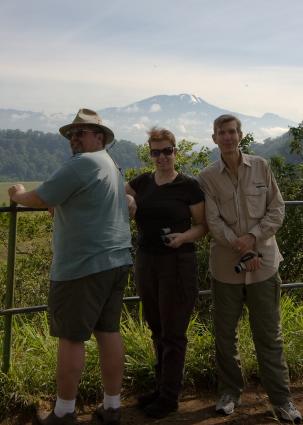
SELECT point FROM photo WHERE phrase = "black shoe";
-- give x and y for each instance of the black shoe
(46, 418)
(108, 416)
(161, 407)
(146, 399)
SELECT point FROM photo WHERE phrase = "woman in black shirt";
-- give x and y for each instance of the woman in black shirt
(170, 217)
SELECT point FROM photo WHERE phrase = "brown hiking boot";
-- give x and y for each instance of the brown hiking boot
(46, 418)
(108, 416)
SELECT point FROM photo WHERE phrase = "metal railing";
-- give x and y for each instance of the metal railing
(9, 310)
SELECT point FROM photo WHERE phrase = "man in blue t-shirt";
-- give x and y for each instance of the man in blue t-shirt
(91, 257)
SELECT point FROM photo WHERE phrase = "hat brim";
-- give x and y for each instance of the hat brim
(109, 135)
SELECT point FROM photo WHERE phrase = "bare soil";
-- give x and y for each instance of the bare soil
(197, 409)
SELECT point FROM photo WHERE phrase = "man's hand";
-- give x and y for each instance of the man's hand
(132, 206)
(15, 190)
(244, 243)
(30, 199)
(253, 264)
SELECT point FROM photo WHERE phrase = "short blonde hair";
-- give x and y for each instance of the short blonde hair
(159, 134)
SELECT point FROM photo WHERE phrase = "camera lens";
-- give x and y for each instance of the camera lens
(238, 268)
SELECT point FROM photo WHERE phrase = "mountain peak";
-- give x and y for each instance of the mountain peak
(190, 98)
(186, 115)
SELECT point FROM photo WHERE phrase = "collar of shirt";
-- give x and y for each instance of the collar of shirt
(245, 159)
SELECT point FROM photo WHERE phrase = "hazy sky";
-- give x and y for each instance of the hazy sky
(242, 55)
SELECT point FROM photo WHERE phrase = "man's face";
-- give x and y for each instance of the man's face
(227, 137)
(85, 140)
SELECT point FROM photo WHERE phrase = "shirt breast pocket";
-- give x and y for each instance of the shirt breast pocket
(256, 200)
(227, 209)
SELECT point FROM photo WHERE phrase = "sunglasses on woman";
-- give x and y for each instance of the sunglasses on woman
(166, 151)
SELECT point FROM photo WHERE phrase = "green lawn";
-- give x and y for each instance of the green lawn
(4, 199)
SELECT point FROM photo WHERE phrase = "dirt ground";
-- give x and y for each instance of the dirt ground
(196, 409)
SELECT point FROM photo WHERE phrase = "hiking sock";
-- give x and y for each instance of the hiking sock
(64, 406)
(111, 401)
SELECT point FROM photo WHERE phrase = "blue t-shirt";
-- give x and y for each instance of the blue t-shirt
(91, 223)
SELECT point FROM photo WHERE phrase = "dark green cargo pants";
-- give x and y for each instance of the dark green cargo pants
(263, 302)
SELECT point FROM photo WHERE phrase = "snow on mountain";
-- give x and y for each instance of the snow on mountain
(187, 115)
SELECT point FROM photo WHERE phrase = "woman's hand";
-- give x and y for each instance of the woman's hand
(175, 240)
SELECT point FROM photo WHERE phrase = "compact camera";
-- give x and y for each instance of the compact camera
(164, 232)
(242, 266)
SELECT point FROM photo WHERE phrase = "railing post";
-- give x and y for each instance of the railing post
(9, 296)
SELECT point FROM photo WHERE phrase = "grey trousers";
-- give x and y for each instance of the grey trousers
(263, 302)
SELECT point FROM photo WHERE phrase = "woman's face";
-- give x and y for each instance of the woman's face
(163, 155)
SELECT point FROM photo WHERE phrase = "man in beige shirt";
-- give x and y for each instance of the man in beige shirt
(244, 210)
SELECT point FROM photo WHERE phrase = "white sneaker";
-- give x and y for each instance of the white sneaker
(226, 404)
(288, 412)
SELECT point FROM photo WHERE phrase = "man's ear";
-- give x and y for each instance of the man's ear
(214, 138)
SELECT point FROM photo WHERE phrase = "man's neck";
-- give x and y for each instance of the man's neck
(232, 161)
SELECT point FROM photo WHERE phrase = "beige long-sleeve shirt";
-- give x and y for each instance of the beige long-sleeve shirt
(251, 203)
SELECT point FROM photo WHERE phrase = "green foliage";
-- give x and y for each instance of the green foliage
(30, 155)
(290, 236)
(34, 155)
(32, 375)
(246, 142)
(296, 144)
(289, 178)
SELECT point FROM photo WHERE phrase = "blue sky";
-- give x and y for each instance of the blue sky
(246, 56)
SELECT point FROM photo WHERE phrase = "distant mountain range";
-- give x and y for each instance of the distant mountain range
(188, 116)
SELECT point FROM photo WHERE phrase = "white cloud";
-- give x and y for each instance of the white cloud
(274, 131)
(139, 126)
(21, 116)
(155, 107)
(132, 109)
(181, 128)
(144, 119)
(121, 54)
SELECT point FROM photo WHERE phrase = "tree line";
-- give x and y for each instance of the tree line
(34, 155)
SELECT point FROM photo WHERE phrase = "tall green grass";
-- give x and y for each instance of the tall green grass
(32, 375)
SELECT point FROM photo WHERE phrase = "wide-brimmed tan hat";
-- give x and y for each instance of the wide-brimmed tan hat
(88, 117)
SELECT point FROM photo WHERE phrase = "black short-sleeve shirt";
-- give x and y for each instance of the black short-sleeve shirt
(165, 206)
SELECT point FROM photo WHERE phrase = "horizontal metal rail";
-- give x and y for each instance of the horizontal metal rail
(28, 209)
(126, 300)
(21, 209)
(9, 310)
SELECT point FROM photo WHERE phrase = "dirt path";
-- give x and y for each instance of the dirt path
(197, 410)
